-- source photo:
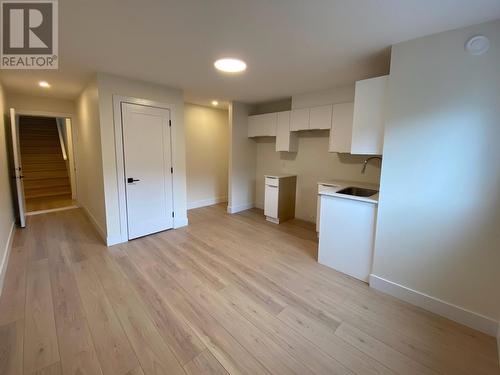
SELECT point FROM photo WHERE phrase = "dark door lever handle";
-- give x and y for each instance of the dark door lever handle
(131, 180)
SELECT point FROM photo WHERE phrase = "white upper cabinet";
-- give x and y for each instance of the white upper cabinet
(369, 116)
(299, 119)
(320, 117)
(262, 125)
(285, 139)
(341, 131)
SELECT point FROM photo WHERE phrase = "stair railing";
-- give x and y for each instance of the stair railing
(61, 140)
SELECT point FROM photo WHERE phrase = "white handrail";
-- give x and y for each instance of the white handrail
(61, 140)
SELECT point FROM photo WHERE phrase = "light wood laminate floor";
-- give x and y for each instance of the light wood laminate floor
(49, 203)
(227, 294)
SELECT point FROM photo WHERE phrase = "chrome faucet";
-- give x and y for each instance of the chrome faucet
(367, 160)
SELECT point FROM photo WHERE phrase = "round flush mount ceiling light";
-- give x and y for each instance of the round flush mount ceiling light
(230, 65)
(44, 84)
(477, 45)
(215, 103)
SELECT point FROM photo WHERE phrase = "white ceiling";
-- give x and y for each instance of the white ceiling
(290, 46)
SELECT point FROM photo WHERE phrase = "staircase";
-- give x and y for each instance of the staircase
(44, 169)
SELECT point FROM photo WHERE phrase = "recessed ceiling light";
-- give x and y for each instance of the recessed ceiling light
(230, 65)
(215, 102)
(477, 45)
(44, 84)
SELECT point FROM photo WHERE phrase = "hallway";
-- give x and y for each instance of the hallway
(227, 294)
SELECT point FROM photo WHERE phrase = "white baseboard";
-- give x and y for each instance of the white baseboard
(6, 253)
(458, 314)
(206, 202)
(93, 220)
(114, 240)
(180, 222)
(239, 208)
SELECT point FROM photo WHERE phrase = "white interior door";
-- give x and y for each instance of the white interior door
(18, 170)
(148, 173)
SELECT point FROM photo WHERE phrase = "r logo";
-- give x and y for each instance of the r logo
(29, 28)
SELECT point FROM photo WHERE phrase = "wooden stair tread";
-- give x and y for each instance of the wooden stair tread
(44, 169)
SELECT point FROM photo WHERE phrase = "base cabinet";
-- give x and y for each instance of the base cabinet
(346, 235)
(279, 198)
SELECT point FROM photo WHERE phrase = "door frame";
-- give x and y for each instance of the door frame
(119, 153)
(74, 136)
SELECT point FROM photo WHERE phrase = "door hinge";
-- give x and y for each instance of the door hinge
(169, 122)
(171, 169)
(173, 214)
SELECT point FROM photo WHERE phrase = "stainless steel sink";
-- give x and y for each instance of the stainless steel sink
(357, 191)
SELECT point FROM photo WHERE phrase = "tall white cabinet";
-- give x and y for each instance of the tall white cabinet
(368, 122)
(358, 128)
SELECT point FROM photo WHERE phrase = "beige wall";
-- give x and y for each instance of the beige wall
(312, 163)
(6, 212)
(37, 103)
(88, 148)
(109, 85)
(207, 144)
(334, 95)
(439, 214)
(242, 160)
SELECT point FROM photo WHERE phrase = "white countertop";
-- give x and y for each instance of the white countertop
(280, 175)
(331, 187)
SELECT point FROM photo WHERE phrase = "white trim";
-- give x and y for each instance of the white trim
(61, 138)
(6, 254)
(239, 208)
(26, 112)
(31, 213)
(456, 313)
(113, 240)
(180, 222)
(206, 202)
(120, 170)
(93, 220)
(274, 220)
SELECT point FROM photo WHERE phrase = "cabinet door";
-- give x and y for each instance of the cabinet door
(271, 201)
(341, 131)
(369, 116)
(299, 119)
(320, 117)
(262, 125)
(252, 126)
(285, 139)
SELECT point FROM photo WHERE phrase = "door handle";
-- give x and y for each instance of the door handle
(131, 180)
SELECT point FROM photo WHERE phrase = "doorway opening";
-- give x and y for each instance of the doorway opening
(47, 157)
